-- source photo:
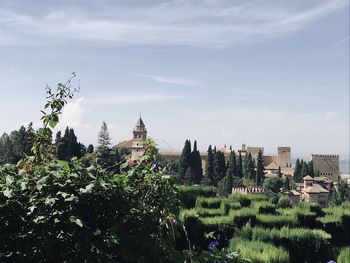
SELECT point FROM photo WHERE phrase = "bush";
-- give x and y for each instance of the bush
(259, 252)
(304, 245)
(243, 216)
(273, 184)
(283, 202)
(213, 202)
(344, 255)
(189, 194)
(306, 218)
(264, 207)
(277, 221)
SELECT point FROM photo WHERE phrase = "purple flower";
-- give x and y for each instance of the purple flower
(331, 261)
(213, 245)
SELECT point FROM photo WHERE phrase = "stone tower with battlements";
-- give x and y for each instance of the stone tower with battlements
(326, 165)
(139, 138)
(284, 156)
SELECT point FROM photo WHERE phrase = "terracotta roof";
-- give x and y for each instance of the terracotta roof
(287, 170)
(272, 166)
(269, 159)
(269, 174)
(315, 188)
(321, 178)
(124, 144)
(308, 177)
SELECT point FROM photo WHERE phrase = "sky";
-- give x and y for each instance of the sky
(263, 73)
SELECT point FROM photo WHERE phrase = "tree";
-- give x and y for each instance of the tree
(298, 178)
(273, 184)
(239, 165)
(90, 149)
(311, 169)
(219, 167)
(339, 193)
(185, 159)
(230, 173)
(209, 171)
(248, 167)
(103, 140)
(196, 164)
(107, 157)
(6, 149)
(304, 169)
(260, 169)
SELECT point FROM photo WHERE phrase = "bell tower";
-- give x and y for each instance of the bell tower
(139, 137)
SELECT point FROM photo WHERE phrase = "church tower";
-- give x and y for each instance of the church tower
(139, 138)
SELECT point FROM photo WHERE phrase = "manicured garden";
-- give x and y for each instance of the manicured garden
(263, 231)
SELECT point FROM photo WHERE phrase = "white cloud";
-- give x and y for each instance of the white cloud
(331, 114)
(195, 23)
(123, 99)
(74, 113)
(170, 80)
(339, 43)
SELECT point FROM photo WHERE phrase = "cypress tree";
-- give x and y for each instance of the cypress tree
(239, 166)
(230, 173)
(219, 167)
(248, 167)
(104, 141)
(90, 149)
(209, 171)
(196, 163)
(185, 159)
(311, 169)
(297, 172)
(260, 169)
(304, 169)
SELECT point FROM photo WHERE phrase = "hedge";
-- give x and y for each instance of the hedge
(189, 194)
(264, 207)
(213, 202)
(278, 221)
(304, 245)
(344, 255)
(259, 252)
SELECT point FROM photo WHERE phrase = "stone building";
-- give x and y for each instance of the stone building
(326, 165)
(315, 190)
(137, 143)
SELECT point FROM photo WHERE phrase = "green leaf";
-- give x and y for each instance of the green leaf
(76, 220)
(9, 180)
(87, 189)
(8, 193)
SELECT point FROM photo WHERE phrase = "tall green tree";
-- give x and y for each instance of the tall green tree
(230, 173)
(185, 159)
(339, 193)
(239, 166)
(6, 149)
(311, 169)
(219, 167)
(209, 170)
(260, 169)
(196, 164)
(304, 169)
(90, 149)
(298, 178)
(103, 140)
(248, 167)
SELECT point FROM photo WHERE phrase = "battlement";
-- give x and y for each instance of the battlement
(248, 190)
(325, 155)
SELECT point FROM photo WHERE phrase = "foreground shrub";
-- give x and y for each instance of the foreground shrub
(283, 202)
(189, 194)
(304, 245)
(277, 221)
(259, 252)
(344, 255)
(213, 202)
(264, 207)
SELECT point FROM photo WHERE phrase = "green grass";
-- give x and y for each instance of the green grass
(259, 252)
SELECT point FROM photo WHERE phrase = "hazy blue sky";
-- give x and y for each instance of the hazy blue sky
(264, 73)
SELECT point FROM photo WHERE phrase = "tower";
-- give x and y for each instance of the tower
(326, 165)
(284, 156)
(139, 138)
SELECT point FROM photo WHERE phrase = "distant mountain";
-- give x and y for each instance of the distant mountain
(344, 166)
